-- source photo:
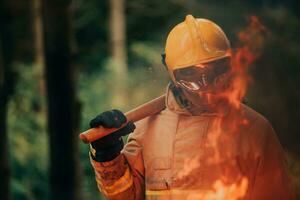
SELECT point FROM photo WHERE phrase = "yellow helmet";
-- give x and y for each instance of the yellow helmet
(195, 41)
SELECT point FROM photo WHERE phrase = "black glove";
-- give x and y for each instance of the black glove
(110, 146)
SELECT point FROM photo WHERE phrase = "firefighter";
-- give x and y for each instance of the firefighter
(200, 146)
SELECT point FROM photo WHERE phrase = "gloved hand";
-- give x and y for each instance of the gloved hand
(110, 146)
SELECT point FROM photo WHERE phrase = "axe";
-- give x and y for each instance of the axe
(150, 108)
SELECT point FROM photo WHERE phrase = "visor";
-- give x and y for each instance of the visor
(205, 76)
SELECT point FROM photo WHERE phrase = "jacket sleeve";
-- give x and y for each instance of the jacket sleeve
(123, 177)
(272, 180)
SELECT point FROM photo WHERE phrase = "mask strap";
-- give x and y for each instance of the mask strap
(163, 60)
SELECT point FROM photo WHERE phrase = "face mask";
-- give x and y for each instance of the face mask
(208, 77)
(202, 85)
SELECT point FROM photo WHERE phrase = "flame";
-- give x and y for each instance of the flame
(221, 191)
(234, 191)
(189, 165)
(251, 45)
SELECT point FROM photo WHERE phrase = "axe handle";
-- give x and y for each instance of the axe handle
(150, 108)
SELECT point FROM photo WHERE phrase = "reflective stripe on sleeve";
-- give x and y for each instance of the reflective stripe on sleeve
(121, 185)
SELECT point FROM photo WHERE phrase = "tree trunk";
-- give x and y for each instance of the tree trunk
(39, 58)
(62, 103)
(117, 37)
(38, 32)
(4, 162)
(6, 86)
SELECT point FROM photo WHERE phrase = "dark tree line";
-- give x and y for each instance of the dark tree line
(63, 107)
(6, 88)
(62, 103)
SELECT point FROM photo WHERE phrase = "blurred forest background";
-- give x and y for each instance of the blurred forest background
(62, 62)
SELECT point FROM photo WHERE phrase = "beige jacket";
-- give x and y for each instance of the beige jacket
(176, 156)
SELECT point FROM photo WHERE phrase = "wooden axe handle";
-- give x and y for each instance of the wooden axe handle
(150, 108)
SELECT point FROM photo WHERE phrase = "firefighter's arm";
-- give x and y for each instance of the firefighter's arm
(123, 177)
(272, 178)
(118, 175)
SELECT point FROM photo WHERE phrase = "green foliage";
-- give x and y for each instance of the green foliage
(27, 134)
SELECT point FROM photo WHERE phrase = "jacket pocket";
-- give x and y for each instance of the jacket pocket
(159, 174)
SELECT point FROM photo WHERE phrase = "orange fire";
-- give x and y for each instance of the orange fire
(252, 42)
(221, 191)
(232, 184)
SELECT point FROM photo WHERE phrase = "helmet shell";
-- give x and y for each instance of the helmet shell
(195, 41)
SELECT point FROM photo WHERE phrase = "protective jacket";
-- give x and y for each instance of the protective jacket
(176, 156)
